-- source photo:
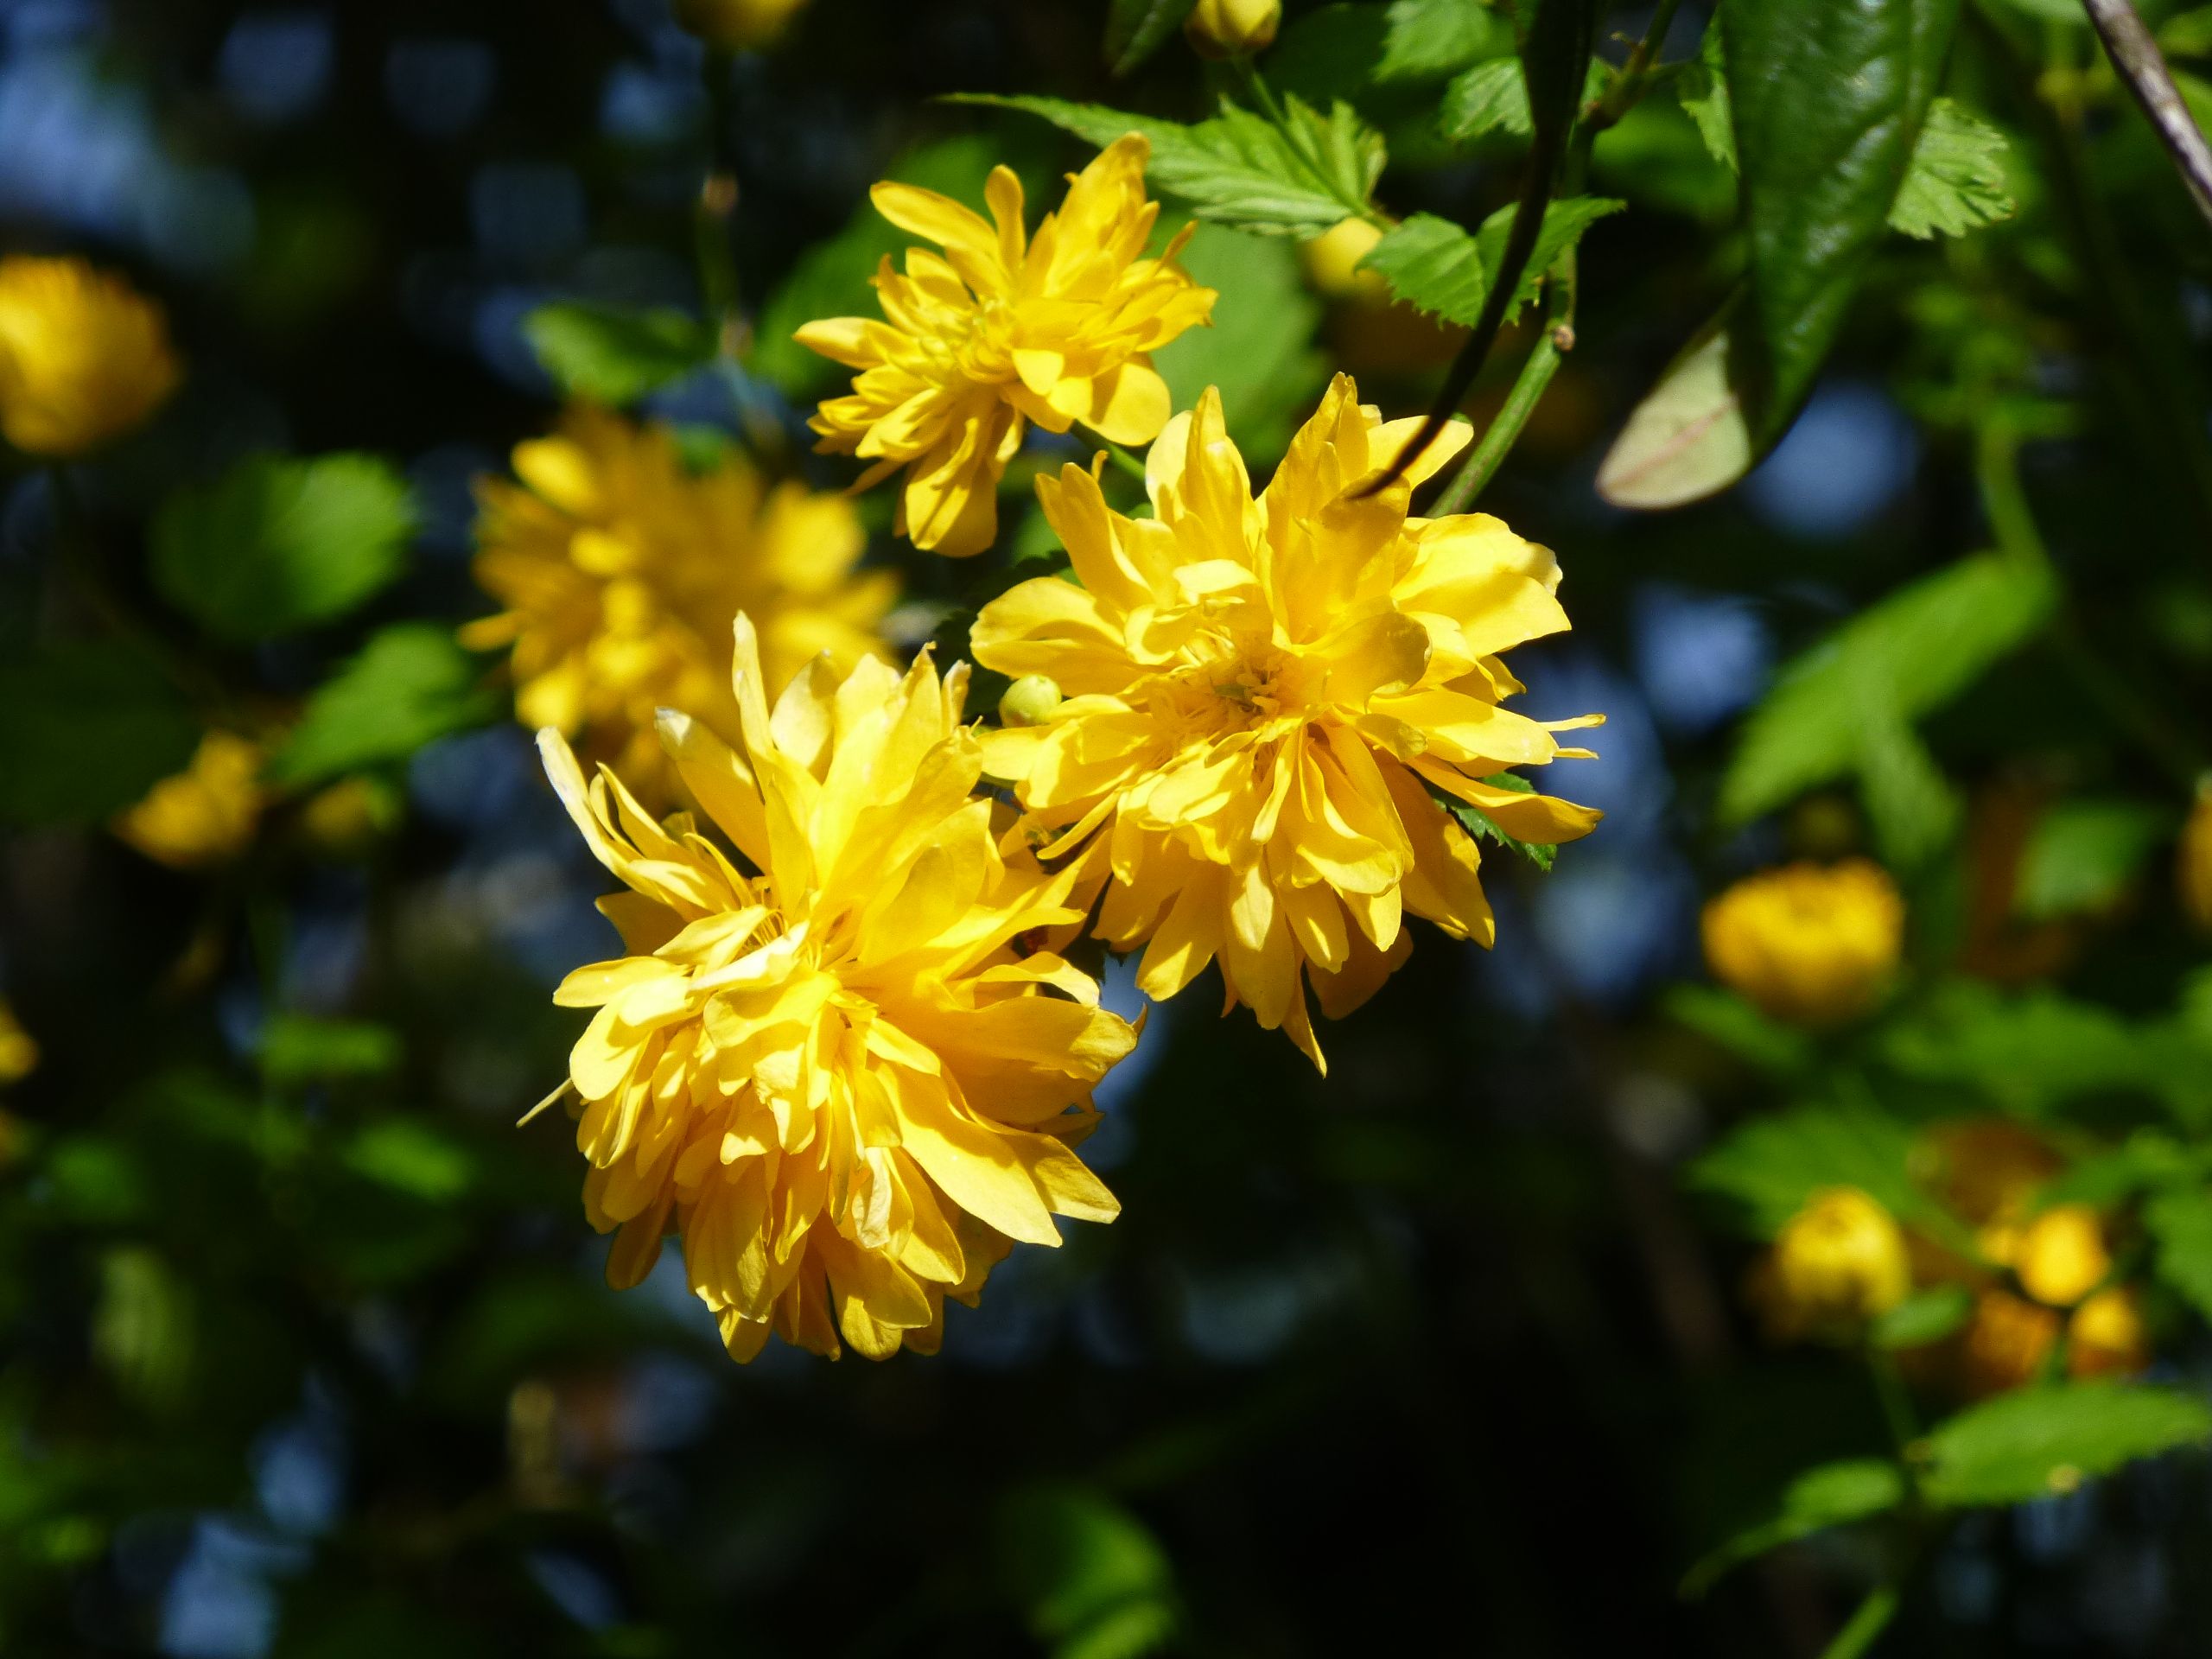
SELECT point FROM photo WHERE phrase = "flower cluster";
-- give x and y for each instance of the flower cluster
(622, 573)
(843, 1079)
(1003, 328)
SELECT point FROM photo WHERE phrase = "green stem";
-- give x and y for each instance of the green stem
(1872, 1618)
(1536, 371)
(1636, 73)
(714, 218)
(1896, 1405)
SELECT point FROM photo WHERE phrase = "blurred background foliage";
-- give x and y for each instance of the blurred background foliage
(1589, 1273)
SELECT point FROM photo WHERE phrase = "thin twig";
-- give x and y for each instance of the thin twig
(2140, 64)
(1872, 1618)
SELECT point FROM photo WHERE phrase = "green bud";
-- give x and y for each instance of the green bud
(1028, 702)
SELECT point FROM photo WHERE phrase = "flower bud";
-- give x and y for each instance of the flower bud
(2061, 1256)
(83, 358)
(1232, 29)
(1029, 701)
(1332, 261)
(2193, 867)
(1839, 1262)
(205, 815)
(2106, 1337)
(1807, 944)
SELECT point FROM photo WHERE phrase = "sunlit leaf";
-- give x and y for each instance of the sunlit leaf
(615, 355)
(411, 684)
(2049, 1439)
(1955, 180)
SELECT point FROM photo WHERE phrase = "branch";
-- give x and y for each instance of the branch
(2136, 56)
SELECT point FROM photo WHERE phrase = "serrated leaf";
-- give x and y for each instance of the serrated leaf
(1955, 180)
(1833, 1494)
(411, 685)
(2035, 1441)
(1925, 643)
(1433, 264)
(1238, 169)
(2181, 1222)
(1426, 39)
(1703, 89)
(276, 544)
(615, 356)
(1479, 824)
(1927, 1316)
(1765, 1169)
(85, 729)
(1490, 96)
(2083, 855)
(1137, 29)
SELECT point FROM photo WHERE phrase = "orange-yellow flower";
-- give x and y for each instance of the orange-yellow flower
(1265, 700)
(1002, 328)
(18, 1048)
(1839, 1261)
(2193, 863)
(1807, 942)
(840, 1079)
(205, 815)
(83, 357)
(622, 572)
(741, 25)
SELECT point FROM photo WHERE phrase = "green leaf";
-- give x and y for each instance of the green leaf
(2181, 1222)
(1137, 29)
(1833, 1494)
(1727, 1019)
(1766, 1168)
(1239, 169)
(1829, 103)
(2083, 855)
(278, 544)
(830, 279)
(2035, 1441)
(1259, 352)
(412, 1158)
(2187, 34)
(615, 356)
(1431, 264)
(1929, 1316)
(1689, 436)
(1428, 39)
(1089, 1580)
(1703, 89)
(1913, 808)
(1955, 181)
(1479, 824)
(85, 729)
(1490, 96)
(299, 1048)
(411, 683)
(1925, 643)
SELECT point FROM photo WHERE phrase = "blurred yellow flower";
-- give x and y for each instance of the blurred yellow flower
(2061, 1256)
(1808, 942)
(2005, 1344)
(1232, 29)
(1331, 262)
(840, 1080)
(83, 357)
(1265, 700)
(345, 819)
(205, 815)
(2107, 1337)
(740, 25)
(18, 1048)
(1003, 328)
(1837, 1263)
(622, 573)
(2193, 867)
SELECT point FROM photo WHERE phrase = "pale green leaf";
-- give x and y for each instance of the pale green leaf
(1954, 182)
(1833, 1494)
(1690, 437)
(2035, 1441)
(1491, 97)
(1433, 265)
(2083, 855)
(1426, 39)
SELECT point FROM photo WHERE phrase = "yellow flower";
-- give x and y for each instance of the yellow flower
(740, 25)
(2061, 1256)
(1002, 329)
(205, 815)
(622, 573)
(2007, 1342)
(1232, 29)
(83, 358)
(2193, 867)
(2106, 1337)
(1808, 942)
(840, 1079)
(1839, 1262)
(18, 1048)
(1264, 700)
(1331, 262)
